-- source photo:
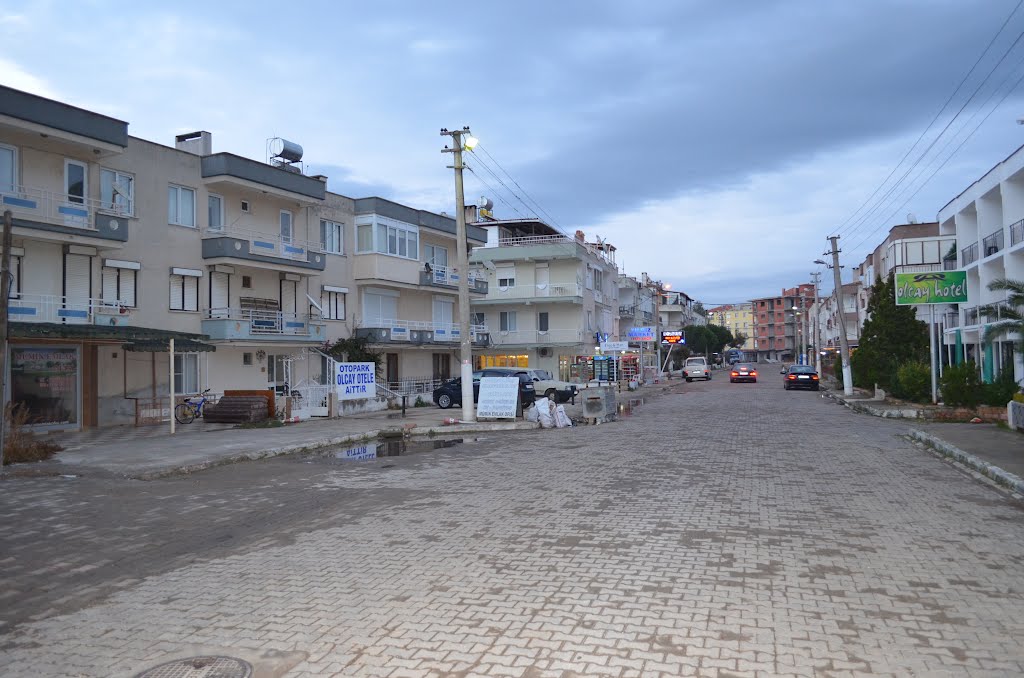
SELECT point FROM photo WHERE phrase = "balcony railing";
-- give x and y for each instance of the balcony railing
(268, 244)
(536, 337)
(385, 330)
(536, 291)
(1017, 233)
(969, 255)
(47, 308)
(951, 319)
(535, 240)
(970, 316)
(261, 322)
(55, 208)
(992, 243)
(445, 277)
(949, 264)
(994, 312)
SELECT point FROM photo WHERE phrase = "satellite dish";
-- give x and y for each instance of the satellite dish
(911, 219)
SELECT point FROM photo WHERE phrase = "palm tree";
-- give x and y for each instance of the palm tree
(1010, 314)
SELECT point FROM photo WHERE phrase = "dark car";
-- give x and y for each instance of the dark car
(800, 376)
(743, 372)
(449, 394)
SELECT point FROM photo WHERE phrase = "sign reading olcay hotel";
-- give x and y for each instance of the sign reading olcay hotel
(937, 287)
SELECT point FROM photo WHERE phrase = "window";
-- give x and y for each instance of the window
(399, 241)
(590, 321)
(590, 277)
(333, 304)
(435, 255)
(75, 176)
(443, 312)
(379, 308)
(506, 277)
(8, 168)
(477, 319)
(186, 373)
(215, 212)
(247, 282)
(117, 191)
(507, 321)
(542, 321)
(598, 280)
(331, 234)
(247, 358)
(184, 293)
(181, 206)
(286, 226)
(364, 238)
(245, 207)
(118, 286)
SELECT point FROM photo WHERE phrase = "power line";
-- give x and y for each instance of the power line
(494, 192)
(494, 175)
(540, 209)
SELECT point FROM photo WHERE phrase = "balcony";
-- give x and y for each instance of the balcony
(971, 316)
(238, 243)
(442, 276)
(949, 264)
(552, 292)
(235, 324)
(95, 134)
(235, 171)
(419, 332)
(544, 247)
(46, 308)
(44, 210)
(1017, 233)
(992, 243)
(537, 337)
(968, 255)
(951, 320)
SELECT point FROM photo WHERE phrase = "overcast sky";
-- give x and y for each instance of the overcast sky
(715, 144)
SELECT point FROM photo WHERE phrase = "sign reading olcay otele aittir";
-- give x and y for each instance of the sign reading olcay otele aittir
(936, 287)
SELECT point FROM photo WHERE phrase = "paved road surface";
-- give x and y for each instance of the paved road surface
(731, 529)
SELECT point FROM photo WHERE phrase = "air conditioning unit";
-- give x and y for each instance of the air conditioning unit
(375, 334)
(544, 352)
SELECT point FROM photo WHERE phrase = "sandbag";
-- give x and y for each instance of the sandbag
(543, 407)
(561, 418)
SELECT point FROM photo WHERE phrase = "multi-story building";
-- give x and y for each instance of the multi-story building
(738, 319)
(551, 299)
(636, 304)
(987, 220)
(676, 311)
(407, 283)
(780, 322)
(829, 323)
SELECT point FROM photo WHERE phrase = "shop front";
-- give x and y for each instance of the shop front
(46, 383)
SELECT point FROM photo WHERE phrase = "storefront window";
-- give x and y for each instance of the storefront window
(45, 381)
(483, 361)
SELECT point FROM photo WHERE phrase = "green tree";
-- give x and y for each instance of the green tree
(1010, 318)
(738, 340)
(891, 336)
(700, 339)
(353, 350)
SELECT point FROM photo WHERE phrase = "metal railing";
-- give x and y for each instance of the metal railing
(56, 208)
(509, 337)
(969, 254)
(535, 240)
(994, 311)
(443, 275)
(268, 244)
(262, 321)
(51, 308)
(1017, 232)
(413, 385)
(951, 319)
(992, 243)
(536, 291)
(949, 264)
(416, 325)
(971, 316)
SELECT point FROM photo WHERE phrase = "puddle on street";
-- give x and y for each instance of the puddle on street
(378, 449)
(626, 408)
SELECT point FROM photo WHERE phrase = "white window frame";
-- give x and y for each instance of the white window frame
(506, 281)
(14, 169)
(176, 221)
(385, 231)
(223, 224)
(332, 305)
(183, 362)
(135, 285)
(335, 244)
(547, 321)
(359, 247)
(179, 278)
(507, 321)
(68, 162)
(109, 203)
(290, 237)
(430, 254)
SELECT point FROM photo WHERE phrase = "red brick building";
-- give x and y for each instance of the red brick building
(777, 325)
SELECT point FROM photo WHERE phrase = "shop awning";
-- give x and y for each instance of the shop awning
(131, 338)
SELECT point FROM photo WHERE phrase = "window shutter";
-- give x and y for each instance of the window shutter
(77, 286)
(126, 288)
(110, 285)
(177, 299)
(191, 293)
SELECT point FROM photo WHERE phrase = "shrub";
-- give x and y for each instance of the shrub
(913, 382)
(1000, 391)
(20, 444)
(420, 402)
(961, 386)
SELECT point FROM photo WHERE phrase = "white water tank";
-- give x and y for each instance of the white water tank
(286, 150)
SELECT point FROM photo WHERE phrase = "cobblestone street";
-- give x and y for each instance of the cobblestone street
(726, 529)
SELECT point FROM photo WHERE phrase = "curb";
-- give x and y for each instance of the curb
(1004, 478)
(311, 445)
(862, 408)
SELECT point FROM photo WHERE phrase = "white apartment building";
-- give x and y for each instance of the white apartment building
(987, 220)
(676, 311)
(636, 304)
(121, 244)
(829, 322)
(550, 299)
(407, 282)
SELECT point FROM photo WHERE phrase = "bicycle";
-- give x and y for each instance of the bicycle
(186, 412)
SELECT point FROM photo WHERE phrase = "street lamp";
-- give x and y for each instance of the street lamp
(462, 250)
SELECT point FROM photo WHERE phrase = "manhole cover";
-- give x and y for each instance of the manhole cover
(200, 667)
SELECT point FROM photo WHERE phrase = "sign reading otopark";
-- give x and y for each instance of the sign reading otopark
(937, 287)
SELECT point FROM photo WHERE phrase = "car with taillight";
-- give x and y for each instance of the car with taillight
(800, 376)
(696, 368)
(742, 372)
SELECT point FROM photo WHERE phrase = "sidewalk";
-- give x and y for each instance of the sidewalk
(151, 452)
(991, 450)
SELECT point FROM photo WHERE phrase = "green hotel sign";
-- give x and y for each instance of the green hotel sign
(938, 287)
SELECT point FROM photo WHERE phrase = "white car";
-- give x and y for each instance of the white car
(547, 386)
(696, 368)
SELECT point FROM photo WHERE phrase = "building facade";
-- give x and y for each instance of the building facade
(738, 319)
(780, 323)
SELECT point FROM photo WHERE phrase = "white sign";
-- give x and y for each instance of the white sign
(610, 346)
(499, 397)
(356, 381)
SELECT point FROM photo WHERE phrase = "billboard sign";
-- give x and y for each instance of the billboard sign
(355, 381)
(641, 334)
(673, 337)
(936, 287)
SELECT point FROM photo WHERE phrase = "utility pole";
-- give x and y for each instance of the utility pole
(816, 277)
(5, 300)
(462, 249)
(843, 342)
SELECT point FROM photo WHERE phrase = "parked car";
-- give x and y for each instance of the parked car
(696, 368)
(743, 372)
(449, 393)
(800, 376)
(549, 387)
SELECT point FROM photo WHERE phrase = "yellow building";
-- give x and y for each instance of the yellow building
(738, 319)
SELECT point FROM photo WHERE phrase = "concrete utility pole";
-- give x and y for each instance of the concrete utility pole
(843, 342)
(5, 300)
(462, 249)
(816, 277)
